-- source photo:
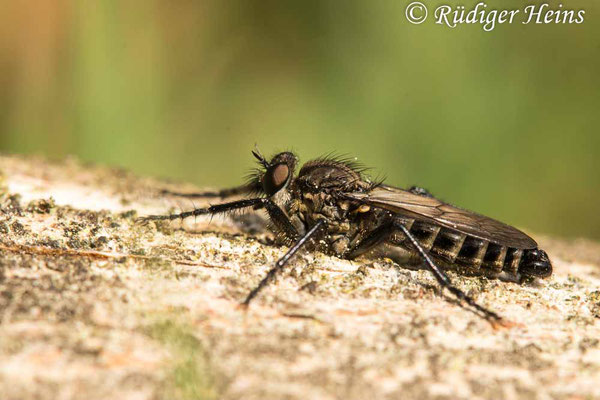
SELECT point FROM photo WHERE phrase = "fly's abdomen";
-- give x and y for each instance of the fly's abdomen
(447, 244)
(494, 258)
(479, 256)
(443, 243)
(425, 233)
(512, 261)
(486, 258)
(472, 253)
(535, 263)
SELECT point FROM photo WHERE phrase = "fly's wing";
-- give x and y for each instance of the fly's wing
(435, 211)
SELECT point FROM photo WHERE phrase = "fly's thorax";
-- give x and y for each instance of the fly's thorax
(321, 205)
(330, 174)
(296, 211)
(340, 216)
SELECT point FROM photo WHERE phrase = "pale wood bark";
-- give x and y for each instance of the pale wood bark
(94, 306)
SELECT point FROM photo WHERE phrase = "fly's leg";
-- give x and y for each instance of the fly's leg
(282, 262)
(212, 210)
(444, 280)
(420, 191)
(229, 192)
(385, 232)
(374, 237)
(276, 215)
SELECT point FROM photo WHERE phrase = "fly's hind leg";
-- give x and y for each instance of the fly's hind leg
(445, 281)
(387, 233)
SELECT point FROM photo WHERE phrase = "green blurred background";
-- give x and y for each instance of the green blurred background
(502, 122)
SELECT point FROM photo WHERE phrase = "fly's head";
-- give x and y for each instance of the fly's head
(276, 175)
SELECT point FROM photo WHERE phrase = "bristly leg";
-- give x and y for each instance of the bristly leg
(215, 209)
(276, 215)
(282, 262)
(229, 192)
(445, 282)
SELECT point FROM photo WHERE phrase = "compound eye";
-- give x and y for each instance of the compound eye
(275, 178)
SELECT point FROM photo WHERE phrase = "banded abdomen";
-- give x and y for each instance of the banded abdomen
(477, 256)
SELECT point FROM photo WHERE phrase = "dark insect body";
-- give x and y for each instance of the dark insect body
(330, 207)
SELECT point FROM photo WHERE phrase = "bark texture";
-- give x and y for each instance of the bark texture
(95, 306)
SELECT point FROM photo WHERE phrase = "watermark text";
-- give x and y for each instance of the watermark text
(489, 18)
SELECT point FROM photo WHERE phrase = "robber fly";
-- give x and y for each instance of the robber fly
(331, 207)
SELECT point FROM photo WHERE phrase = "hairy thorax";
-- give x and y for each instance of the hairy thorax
(347, 222)
(308, 208)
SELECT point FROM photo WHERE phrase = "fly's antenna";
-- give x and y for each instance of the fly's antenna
(261, 159)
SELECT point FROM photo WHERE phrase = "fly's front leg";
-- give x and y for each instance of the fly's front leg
(280, 220)
(276, 215)
(229, 192)
(212, 210)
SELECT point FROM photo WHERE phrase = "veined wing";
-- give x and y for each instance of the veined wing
(433, 210)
